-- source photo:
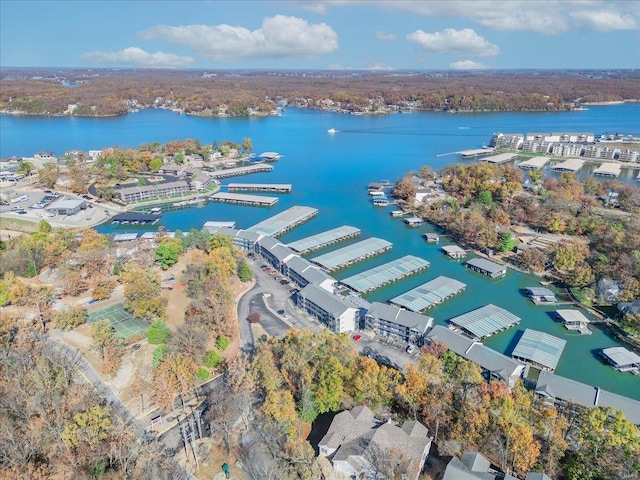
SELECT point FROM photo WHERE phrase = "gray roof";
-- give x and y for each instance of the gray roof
(307, 270)
(428, 294)
(571, 316)
(456, 470)
(320, 239)
(621, 357)
(283, 221)
(539, 347)
(537, 476)
(385, 274)
(475, 462)
(561, 388)
(540, 292)
(244, 198)
(330, 303)
(449, 249)
(632, 306)
(66, 204)
(400, 316)
(486, 265)
(351, 253)
(485, 321)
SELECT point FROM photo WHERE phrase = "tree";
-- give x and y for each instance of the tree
(70, 317)
(507, 242)
(254, 317)
(212, 359)
(158, 333)
(103, 336)
(48, 175)
(247, 145)
(142, 293)
(244, 271)
(404, 189)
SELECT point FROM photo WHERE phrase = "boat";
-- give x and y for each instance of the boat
(332, 130)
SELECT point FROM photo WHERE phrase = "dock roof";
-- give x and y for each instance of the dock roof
(500, 158)
(428, 294)
(621, 357)
(283, 221)
(572, 316)
(534, 163)
(486, 265)
(233, 172)
(135, 217)
(453, 249)
(260, 186)
(124, 237)
(352, 253)
(243, 198)
(539, 348)
(608, 169)
(213, 226)
(399, 316)
(318, 240)
(570, 165)
(485, 321)
(384, 274)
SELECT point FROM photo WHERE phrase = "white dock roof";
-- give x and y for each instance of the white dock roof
(608, 169)
(501, 158)
(283, 221)
(621, 356)
(351, 253)
(385, 274)
(428, 294)
(244, 198)
(485, 321)
(323, 238)
(572, 316)
(571, 165)
(539, 348)
(534, 163)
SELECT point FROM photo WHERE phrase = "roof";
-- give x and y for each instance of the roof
(475, 462)
(620, 356)
(278, 224)
(612, 169)
(383, 274)
(66, 204)
(572, 165)
(428, 294)
(316, 241)
(536, 162)
(486, 265)
(134, 217)
(351, 253)
(244, 198)
(572, 316)
(501, 157)
(540, 292)
(485, 321)
(213, 226)
(252, 186)
(124, 237)
(561, 388)
(399, 316)
(308, 271)
(330, 303)
(632, 306)
(456, 470)
(537, 476)
(539, 347)
(453, 249)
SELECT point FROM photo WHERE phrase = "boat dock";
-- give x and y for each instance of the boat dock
(608, 170)
(260, 187)
(213, 226)
(475, 153)
(429, 294)
(572, 165)
(397, 213)
(135, 219)
(284, 221)
(535, 163)
(500, 158)
(385, 274)
(357, 252)
(236, 172)
(242, 199)
(485, 321)
(324, 239)
(270, 156)
(413, 222)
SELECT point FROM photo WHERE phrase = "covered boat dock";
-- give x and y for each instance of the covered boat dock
(574, 320)
(486, 267)
(485, 321)
(243, 199)
(539, 349)
(500, 158)
(608, 170)
(571, 165)
(236, 172)
(475, 153)
(260, 187)
(284, 221)
(535, 163)
(385, 274)
(357, 252)
(324, 239)
(429, 294)
(622, 359)
(135, 218)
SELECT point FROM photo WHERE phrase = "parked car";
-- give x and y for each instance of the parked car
(411, 349)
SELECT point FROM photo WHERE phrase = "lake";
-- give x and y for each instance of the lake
(331, 171)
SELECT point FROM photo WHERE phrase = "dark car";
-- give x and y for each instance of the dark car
(280, 312)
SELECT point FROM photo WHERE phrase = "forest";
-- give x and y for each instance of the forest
(111, 92)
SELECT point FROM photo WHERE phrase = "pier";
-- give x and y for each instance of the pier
(382, 275)
(345, 256)
(324, 239)
(236, 172)
(241, 199)
(486, 267)
(284, 221)
(429, 294)
(260, 187)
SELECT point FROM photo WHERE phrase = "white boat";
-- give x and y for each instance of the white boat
(332, 130)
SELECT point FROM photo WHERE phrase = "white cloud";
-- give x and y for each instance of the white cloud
(604, 21)
(467, 65)
(380, 35)
(138, 57)
(450, 40)
(315, 7)
(375, 64)
(279, 37)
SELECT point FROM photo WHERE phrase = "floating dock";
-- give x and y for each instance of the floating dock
(236, 172)
(242, 199)
(413, 221)
(213, 226)
(135, 218)
(260, 187)
(324, 239)
(284, 221)
(475, 153)
(608, 170)
(357, 252)
(385, 274)
(571, 165)
(500, 158)
(429, 294)
(535, 163)
(485, 321)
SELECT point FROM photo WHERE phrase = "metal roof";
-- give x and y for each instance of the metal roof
(609, 169)
(324, 238)
(485, 321)
(501, 158)
(243, 198)
(486, 265)
(400, 316)
(253, 186)
(571, 165)
(387, 273)
(428, 294)
(621, 356)
(534, 163)
(330, 303)
(124, 237)
(214, 226)
(540, 348)
(352, 253)
(540, 292)
(284, 221)
(572, 316)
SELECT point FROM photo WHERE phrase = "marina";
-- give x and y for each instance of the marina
(324, 239)
(260, 187)
(429, 294)
(284, 221)
(539, 349)
(135, 219)
(535, 163)
(485, 321)
(354, 253)
(238, 171)
(242, 199)
(386, 274)
(572, 165)
(608, 170)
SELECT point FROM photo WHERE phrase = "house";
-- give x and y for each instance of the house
(397, 323)
(473, 466)
(632, 307)
(337, 314)
(355, 437)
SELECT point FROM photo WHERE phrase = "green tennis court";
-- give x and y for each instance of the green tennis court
(123, 322)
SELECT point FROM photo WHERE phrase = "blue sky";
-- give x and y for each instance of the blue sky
(306, 34)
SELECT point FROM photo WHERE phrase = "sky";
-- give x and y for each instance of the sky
(334, 34)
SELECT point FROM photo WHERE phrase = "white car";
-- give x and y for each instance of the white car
(411, 349)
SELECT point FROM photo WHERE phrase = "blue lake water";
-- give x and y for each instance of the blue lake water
(330, 172)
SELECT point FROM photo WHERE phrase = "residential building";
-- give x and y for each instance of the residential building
(149, 192)
(302, 272)
(397, 323)
(337, 314)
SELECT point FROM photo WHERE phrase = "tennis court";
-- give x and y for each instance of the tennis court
(123, 322)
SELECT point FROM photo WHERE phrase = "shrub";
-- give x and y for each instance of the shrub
(158, 333)
(244, 271)
(202, 374)
(222, 343)
(158, 354)
(254, 317)
(212, 359)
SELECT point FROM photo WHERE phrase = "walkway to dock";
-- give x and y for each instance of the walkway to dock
(260, 187)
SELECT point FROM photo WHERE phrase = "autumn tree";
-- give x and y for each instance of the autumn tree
(142, 293)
